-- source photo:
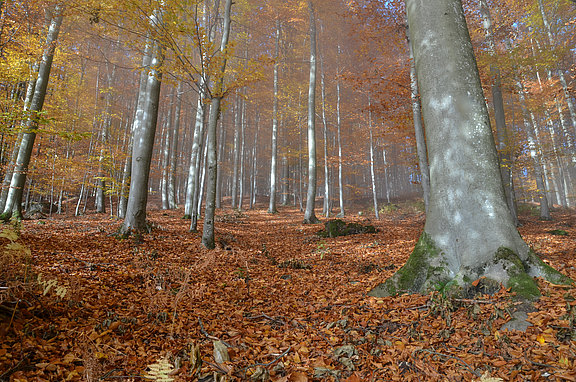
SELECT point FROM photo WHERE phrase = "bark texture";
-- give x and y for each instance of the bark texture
(469, 232)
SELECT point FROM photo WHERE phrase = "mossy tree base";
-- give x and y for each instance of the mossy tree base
(428, 270)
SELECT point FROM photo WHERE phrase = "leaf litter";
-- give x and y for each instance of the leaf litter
(274, 301)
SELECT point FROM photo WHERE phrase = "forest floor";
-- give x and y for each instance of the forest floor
(281, 302)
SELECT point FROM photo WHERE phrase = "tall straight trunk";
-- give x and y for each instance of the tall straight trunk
(13, 206)
(254, 172)
(503, 141)
(165, 151)
(216, 99)
(386, 180)
(171, 180)
(236, 164)
(222, 145)
(372, 175)
(242, 154)
(144, 131)
(339, 134)
(309, 215)
(326, 203)
(419, 132)
(561, 76)
(534, 155)
(194, 169)
(274, 154)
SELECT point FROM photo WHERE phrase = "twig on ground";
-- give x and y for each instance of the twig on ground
(244, 370)
(276, 320)
(11, 371)
(207, 335)
(449, 356)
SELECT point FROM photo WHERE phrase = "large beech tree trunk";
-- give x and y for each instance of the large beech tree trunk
(469, 232)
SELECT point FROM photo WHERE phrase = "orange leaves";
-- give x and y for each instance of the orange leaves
(297, 322)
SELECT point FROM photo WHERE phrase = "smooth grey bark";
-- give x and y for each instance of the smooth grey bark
(339, 136)
(236, 165)
(13, 206)
(165, 152)
(418, 130)
(190, 210)
(212, 161)
(503, 141)
(469, 232)
(326, 201)
(530, 127)
(171, 180)
(144, 131)
(372, 175)
(242, 154)
(14, 156)
(309, 215)
(274, 149)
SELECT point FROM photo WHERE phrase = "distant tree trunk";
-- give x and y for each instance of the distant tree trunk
(504, 150)
(326, 203)
(171, 181)
(274, 155)
(13, 206)
(236, 164)
(144, 130)
(190, 210)
(165, 152)
(309, 215)
(216, 99)
(469, 233)
(253, 190)
(534, 155)
(372, 175)
(242, 154)
(338, 131)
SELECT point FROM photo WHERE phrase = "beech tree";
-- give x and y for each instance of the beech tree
(144, 130)
(309, 214)
(469, 232)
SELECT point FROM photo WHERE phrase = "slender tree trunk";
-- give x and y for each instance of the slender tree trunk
(274, 155)
(171, 181)
(144, 130)
(326, 202)
(534, 155)
(208, 229)
(503, 141)
(339, 134)
(372, 176)
(13, 206)
(309, 215)
(242, 154)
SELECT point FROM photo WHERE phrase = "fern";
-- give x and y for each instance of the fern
(160, 371)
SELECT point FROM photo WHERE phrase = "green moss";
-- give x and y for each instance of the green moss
(338, 227)
(423, 271)
(524, 285)
(539, 268)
